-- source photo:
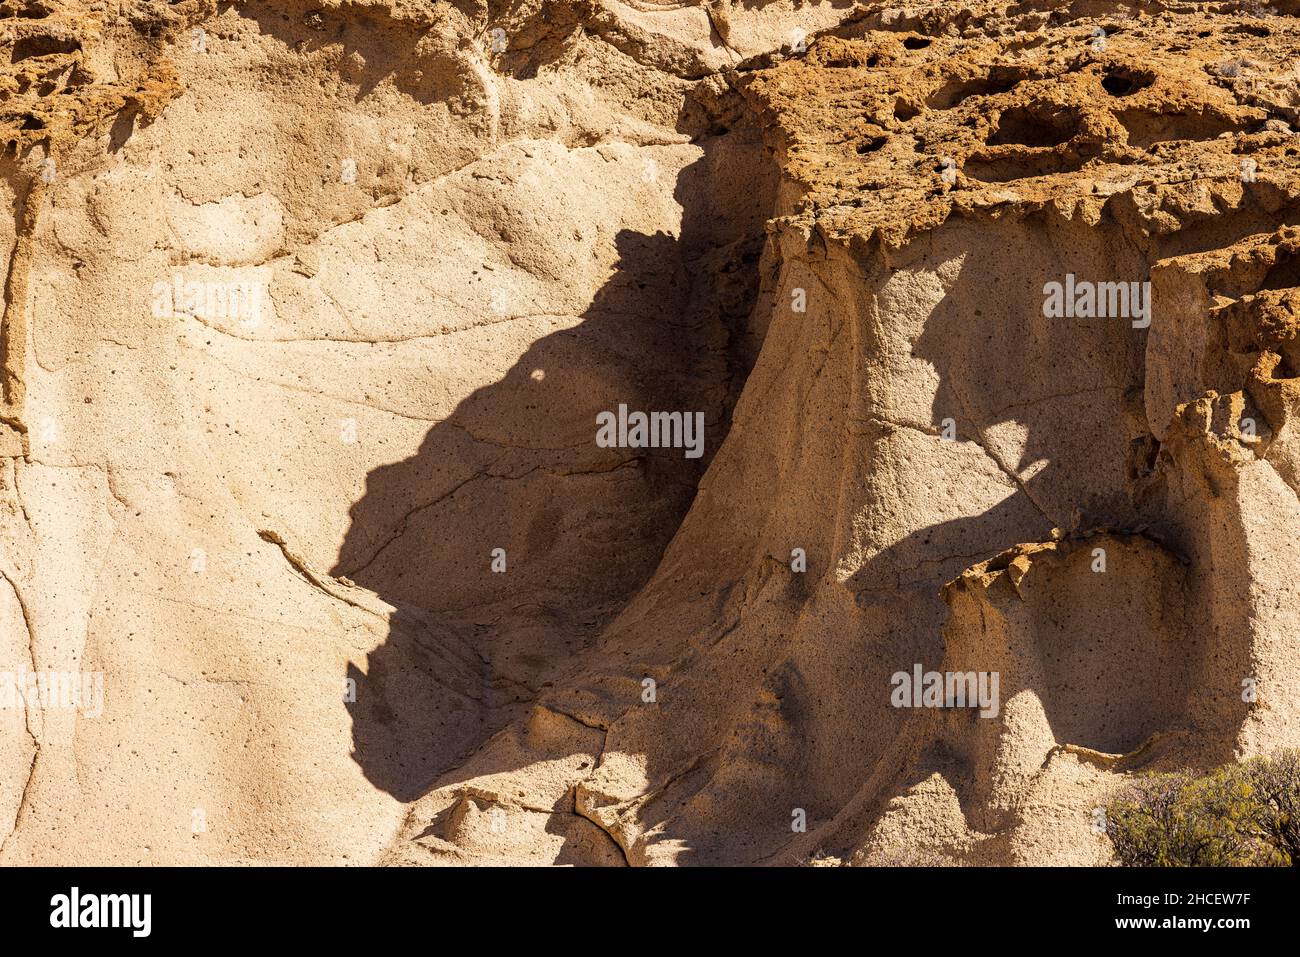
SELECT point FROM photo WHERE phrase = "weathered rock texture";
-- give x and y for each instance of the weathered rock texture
(311, 307)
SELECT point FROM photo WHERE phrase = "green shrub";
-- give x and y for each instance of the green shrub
(1276, 783)
(1241, 815)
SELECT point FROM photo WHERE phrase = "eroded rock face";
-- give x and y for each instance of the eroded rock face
(311, 312)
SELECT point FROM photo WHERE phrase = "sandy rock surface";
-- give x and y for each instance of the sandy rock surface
(312, 551)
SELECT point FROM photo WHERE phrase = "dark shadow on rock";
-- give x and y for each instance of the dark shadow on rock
(516, 467)
(122, 128)
(1093, 463)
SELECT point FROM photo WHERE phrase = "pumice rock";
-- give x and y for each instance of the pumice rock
(313, 311)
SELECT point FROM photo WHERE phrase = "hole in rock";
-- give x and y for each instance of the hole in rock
(905, 111)
(31, 11)
(1000, 80)
(42, 45)
(1134, 665)
(993, 168)
(1120, 82)
(1034, 126)
(1146, 128)
(1284, 274)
